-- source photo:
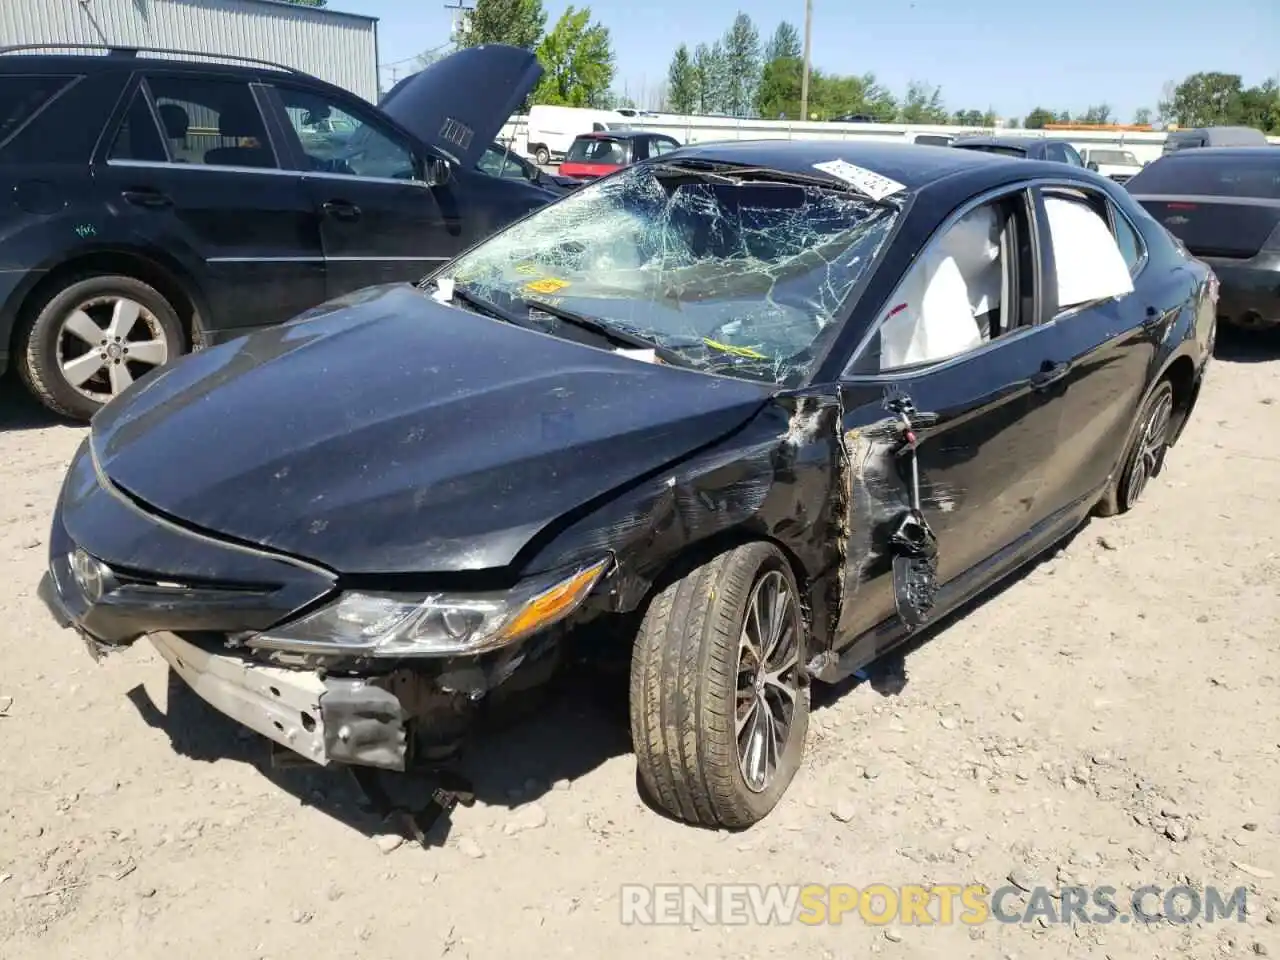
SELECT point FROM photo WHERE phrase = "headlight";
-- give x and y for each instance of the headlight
(397, 625)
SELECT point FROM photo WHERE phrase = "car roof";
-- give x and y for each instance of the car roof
(1268, 150)
(912, 165)
(618, 134)
(120, 59)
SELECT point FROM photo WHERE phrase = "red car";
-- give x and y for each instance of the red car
(593, 155)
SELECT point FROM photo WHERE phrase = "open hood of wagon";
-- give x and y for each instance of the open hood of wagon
(460, 103)
(390, 433)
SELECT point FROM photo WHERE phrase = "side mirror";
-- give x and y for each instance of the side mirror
(1093, 166)
(436, 171)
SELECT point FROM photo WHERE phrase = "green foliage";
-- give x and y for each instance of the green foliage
(741, 53)
(518, 23)
(682, 82)
(1211, 99)
(922, 104)
(784, 44)
(577, 56)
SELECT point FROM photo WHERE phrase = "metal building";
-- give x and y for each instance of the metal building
(339, 47)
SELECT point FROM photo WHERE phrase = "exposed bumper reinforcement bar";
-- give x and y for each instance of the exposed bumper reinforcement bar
(327, 721)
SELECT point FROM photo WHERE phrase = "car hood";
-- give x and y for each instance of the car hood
(388, 433)
(459, 104)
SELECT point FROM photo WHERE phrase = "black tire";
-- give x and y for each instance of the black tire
(541, 155)
(1144, 456)
(38, 357)
(684, 683)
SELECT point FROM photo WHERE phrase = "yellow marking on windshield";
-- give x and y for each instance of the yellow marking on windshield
(736, 351)
(546, 285)
(528, 269)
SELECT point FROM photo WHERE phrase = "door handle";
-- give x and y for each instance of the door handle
(341, 210)
(1050, 373)
(146, 198)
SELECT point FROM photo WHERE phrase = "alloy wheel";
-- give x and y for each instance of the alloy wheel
(107, 342)
(768, 682)
(1151, 449)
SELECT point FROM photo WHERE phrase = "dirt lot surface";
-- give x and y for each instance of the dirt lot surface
(1112, 718)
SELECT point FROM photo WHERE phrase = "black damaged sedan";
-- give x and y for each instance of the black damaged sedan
(747, 416)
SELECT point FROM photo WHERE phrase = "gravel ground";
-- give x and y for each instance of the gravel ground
(1112, 718)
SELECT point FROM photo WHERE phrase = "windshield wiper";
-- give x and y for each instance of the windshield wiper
(608, 331)
(483, 306)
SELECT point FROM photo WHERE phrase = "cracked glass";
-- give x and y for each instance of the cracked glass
(739, 272)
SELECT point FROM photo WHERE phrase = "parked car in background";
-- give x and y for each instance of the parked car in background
(932, 139)
(597, 154)
(1028, 148)
(1111, 162)
(1199, 137)
(551, 130)
(150, 205)
(742, 420)
(1223, 203)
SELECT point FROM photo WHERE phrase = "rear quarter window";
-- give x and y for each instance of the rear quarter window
(1198, 174)
(21, 98)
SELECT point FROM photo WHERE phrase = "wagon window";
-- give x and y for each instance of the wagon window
(1088, 263)
(971, 285)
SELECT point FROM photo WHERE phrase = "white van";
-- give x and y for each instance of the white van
(552, 130)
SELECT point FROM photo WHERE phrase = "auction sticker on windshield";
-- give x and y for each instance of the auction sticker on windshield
(546, 285)
(861, 179)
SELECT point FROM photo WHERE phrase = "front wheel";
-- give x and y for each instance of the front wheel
(719, 698)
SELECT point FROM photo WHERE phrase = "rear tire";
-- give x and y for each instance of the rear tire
(694, 682)
(541, 155)
(1144, 457)
(58, 345)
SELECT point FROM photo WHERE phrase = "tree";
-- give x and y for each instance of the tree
(577, 57)
(519, 23)
(784, 44)
(1205, 100)
(1099, 114)
(682, 82)
(1038, 118)
(741, 46)
(1142, 116)
(922, 104)
(1260, 107)
(778, 94)
(709, 72)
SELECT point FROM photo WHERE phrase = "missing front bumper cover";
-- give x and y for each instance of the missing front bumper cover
(327, 721)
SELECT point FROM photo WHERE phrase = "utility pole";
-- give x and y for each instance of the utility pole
(804, 76)
(461, 10)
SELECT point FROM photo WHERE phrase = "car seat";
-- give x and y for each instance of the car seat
(236, 123)
(176, 123)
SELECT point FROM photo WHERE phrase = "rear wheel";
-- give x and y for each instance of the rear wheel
(1145, 457)
(91, 339)
(541, 155)
(719, 700)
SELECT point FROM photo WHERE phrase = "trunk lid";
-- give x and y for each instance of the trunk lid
(387, 433)
(460, 103)
(1230, 227)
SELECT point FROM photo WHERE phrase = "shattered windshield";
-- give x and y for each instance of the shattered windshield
(732, 274)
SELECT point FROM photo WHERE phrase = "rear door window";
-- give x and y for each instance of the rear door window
(21, 98)
(220, 119)
(1205, 175)
(597, 150)
(1088, 262)
(138, 136)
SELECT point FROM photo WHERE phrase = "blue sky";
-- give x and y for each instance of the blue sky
(1009, 55)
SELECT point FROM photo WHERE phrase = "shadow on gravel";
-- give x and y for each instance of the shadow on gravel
(888, 675)
(1247, 346)
(509, 765)
(20, 411)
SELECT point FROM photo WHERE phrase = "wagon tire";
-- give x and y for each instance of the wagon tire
(1144, 457)
(702, 708)
(42, 364)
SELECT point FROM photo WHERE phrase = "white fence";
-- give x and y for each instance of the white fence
(1144, 145)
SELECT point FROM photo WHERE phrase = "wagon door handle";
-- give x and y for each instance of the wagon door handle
(1050, 373)
(341, 210)
(146, 198)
